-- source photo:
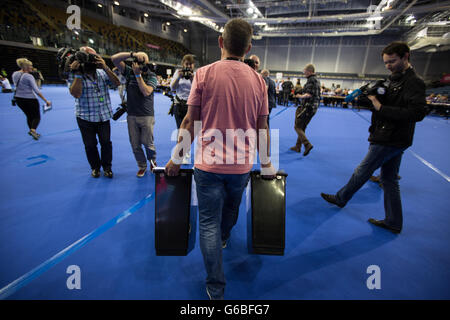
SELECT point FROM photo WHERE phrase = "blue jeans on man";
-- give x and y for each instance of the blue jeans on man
(388, 158)
(219, 197)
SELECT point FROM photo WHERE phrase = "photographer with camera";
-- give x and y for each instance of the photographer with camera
(181, 83)
(308, 108)
(140, 85)
(25, 95)
(391, 133)
(88, 84)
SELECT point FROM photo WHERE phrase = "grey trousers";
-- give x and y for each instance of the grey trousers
(140, 131)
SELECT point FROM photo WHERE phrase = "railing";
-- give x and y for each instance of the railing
(76, 39)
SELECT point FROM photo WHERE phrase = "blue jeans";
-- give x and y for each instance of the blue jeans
(388, 158)
(219, 197)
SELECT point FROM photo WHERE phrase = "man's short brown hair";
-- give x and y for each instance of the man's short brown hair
(237, 36)
(397, 47)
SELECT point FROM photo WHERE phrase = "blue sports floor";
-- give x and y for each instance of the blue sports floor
(53, 214)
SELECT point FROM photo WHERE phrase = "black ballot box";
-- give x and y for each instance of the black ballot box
(266, 213)
(175, 213)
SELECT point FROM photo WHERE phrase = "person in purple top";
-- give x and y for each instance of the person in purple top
(25, 95)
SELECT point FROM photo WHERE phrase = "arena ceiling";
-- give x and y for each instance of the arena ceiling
(324, 18)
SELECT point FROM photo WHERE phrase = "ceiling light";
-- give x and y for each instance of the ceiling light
(168, 23)
(146, 15)
(200, 19)
(177, 6)
(185, 11)
(185, 30)
(117, 3)
(99, 5)
(91, 41)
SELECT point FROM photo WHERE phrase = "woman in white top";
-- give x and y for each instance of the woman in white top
(181, 83)
(26, 91)
(4, 83)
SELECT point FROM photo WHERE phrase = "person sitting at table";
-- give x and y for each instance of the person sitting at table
(431, 98)
(443, 99)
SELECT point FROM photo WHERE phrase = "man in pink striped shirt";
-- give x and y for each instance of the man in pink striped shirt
(229, 107)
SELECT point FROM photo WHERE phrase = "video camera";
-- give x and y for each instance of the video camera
(120, 111)
(66, 56)
(376, 88)
(250, 63)
(167, 93)
(186, 73)
(170, 95)
(145, 66)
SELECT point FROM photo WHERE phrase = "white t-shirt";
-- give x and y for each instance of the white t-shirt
(6, 84)
(184, 86)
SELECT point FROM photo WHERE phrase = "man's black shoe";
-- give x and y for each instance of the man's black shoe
(382, 224)
(95, 173)
(108, 173)
(331, 199)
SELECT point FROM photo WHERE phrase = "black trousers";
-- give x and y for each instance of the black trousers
(268, 117)
(286, 95)
(89, 132)
(31, 109)
(179, 111)
(303, 116)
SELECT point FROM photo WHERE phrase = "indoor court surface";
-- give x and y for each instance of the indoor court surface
(53, 215)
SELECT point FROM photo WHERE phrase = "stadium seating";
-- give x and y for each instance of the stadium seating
(49, 24)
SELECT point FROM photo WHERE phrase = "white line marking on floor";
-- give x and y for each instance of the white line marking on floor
(429, 165)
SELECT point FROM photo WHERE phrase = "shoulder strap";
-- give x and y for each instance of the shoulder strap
(17, 86)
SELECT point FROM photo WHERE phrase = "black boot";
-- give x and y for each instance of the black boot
(331, 199)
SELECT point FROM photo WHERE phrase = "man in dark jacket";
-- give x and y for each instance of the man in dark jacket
(308, 108)
(391, 133)
(271, 91)
(287, 89)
